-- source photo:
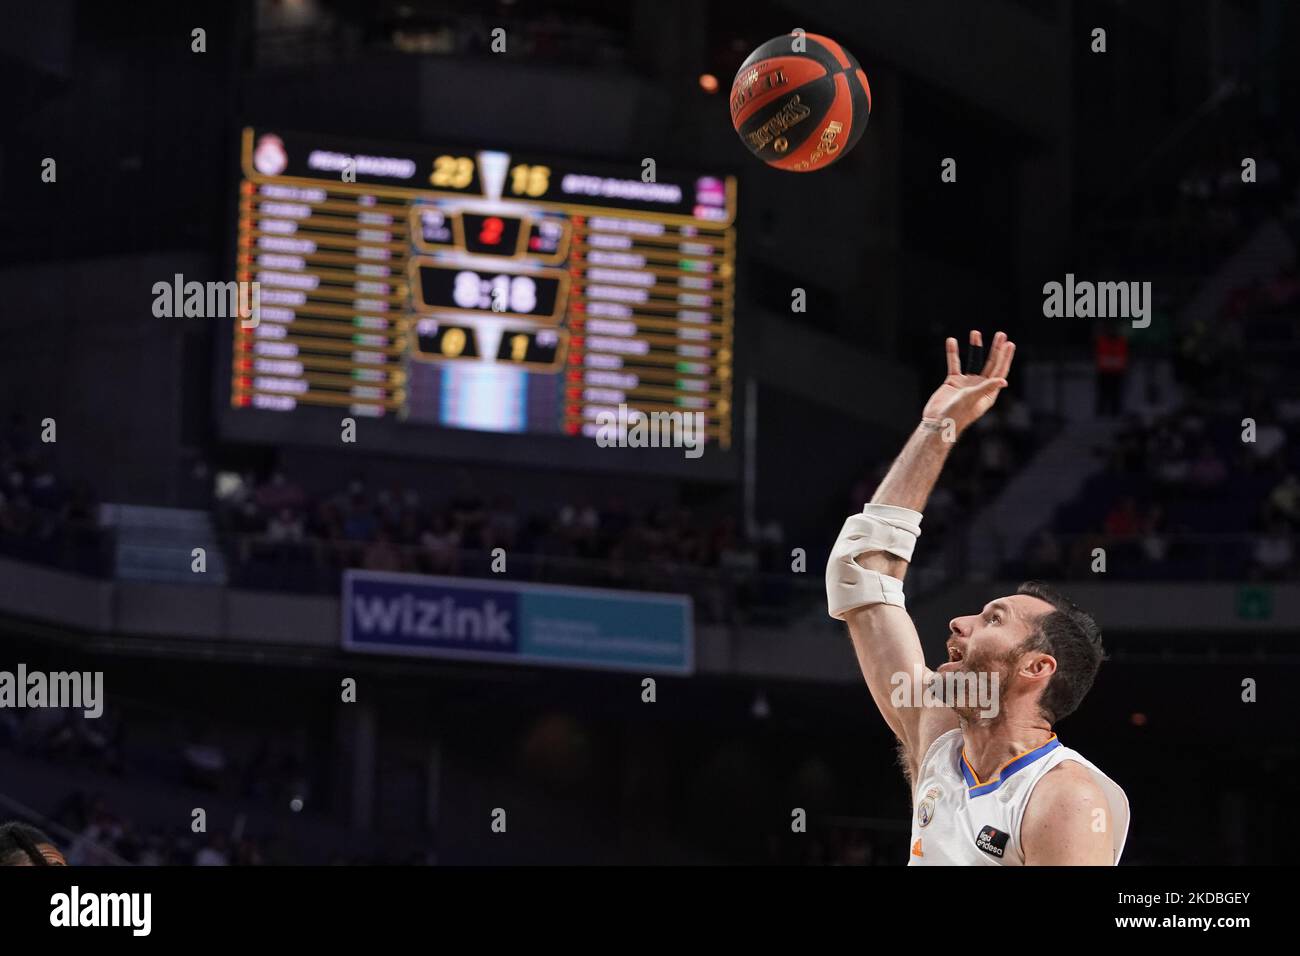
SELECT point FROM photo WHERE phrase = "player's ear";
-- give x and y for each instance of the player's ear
(1038, 665)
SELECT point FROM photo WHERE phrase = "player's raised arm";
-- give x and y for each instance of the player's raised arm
(864, 576)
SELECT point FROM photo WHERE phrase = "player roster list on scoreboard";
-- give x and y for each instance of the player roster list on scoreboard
(480, 289)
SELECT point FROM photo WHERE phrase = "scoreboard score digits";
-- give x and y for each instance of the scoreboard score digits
(480, 289)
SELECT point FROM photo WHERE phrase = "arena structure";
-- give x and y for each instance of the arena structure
(186, 512)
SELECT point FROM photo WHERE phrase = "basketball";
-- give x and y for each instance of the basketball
(800, 102)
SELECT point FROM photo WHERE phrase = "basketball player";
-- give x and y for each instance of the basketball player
(991, 784)
(21, 845)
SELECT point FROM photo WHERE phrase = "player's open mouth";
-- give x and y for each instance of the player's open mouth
(954, 661)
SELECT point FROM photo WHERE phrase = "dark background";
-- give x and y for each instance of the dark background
(1121, 165)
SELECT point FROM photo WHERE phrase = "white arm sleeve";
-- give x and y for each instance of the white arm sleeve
(885, 528)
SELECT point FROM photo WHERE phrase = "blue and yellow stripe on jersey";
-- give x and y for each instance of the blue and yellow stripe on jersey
(977, 787)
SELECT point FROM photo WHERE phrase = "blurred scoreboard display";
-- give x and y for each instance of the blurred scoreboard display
(478, 290)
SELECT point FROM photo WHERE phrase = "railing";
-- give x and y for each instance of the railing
(1160, 557)
(315, 566)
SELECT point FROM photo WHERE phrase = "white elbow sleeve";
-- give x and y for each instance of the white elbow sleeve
(885, 528)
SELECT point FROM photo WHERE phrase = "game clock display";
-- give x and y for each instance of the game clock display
(480, 289)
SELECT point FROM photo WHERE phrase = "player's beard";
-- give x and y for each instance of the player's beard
(977, 673)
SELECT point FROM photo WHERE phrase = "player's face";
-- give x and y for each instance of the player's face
(989, 642)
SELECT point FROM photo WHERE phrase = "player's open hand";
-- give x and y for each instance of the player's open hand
(964, 397)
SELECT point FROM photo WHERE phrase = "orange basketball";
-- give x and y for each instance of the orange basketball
(800, 102)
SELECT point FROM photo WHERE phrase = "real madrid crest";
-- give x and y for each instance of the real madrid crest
(925, 809)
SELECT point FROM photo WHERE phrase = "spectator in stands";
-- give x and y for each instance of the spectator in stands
(1123, 521)
(359, 523)
(1166, 453)
(1269, 441)
(694, 545)
(1284, 500)
(382, 554)
(285, 527)
(19, 518)
(327, 522)
(248, 853)
(501, 525)
(93, 845)
(1155, 544)
(153, 851)
(1208, 471)
(1045, 558)
(79, 508)
(205, 761)
(468, 511)
(1110, 356)
(388, 505)
(1274, 552)
(1196, 358)
(44, 489)
(441, 543)
(772, 554)
(580, 526)
(215, 853)
(1018, 424)
(279, 493)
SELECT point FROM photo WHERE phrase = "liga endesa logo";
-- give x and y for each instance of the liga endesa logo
(993, 841)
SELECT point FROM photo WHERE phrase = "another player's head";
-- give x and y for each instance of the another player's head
(1044, 649)
(23, 845)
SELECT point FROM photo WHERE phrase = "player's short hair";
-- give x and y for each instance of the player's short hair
(1071, 636)
(20, 845)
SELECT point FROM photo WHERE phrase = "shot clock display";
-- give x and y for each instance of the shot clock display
(479, 289)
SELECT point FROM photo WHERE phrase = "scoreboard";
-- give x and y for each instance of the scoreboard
(479, 289)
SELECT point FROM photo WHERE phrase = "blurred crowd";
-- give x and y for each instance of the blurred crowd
(1208, 486)
(265, 776)
(283, 537)
(43, 517)
(103, 835)
(1187, 226)
(1182, 497)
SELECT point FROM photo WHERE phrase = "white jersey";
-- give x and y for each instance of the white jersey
(957, 819)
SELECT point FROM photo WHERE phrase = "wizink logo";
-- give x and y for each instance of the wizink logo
(1098, 300)
(435, 620)
(24, 689)
(75, 908)
(208, 300)
(960, 690)
(630, 428)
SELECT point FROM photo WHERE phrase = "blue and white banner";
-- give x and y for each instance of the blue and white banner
(424, 616)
